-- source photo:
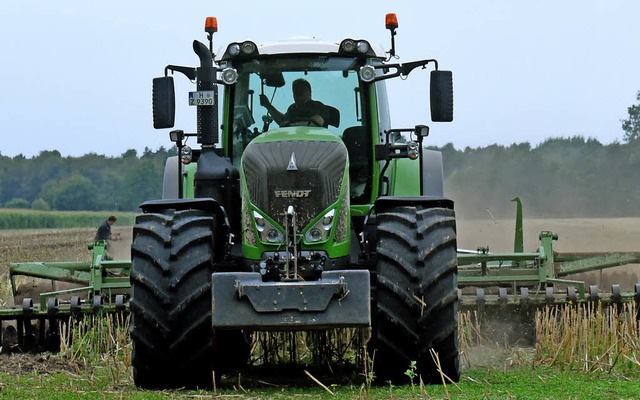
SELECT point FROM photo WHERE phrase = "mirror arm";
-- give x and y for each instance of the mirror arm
(189, 72)
(403, 69)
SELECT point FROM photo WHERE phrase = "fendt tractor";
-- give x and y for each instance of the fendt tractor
(306, 225)
(297, 221)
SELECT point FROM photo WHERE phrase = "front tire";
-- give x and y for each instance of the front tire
(172, 261)
(416, 300)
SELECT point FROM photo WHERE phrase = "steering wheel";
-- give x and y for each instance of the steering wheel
(309, 122)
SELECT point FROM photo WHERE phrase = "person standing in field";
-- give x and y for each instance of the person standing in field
(104, 230)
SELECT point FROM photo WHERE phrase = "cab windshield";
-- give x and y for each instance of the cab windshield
(334, 82)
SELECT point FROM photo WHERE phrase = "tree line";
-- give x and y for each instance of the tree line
(561, 177)
(49, 181)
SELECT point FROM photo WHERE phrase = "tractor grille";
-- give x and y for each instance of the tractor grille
(310, 189)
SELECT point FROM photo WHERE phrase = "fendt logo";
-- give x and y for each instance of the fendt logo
(292, 193)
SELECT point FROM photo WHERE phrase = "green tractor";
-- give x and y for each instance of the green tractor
(290, 224)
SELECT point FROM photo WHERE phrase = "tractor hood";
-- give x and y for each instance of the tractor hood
(302, 167)
(303, 133)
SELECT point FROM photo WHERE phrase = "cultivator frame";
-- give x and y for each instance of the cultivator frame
(538, 278)
(535, 278)
(104, 288)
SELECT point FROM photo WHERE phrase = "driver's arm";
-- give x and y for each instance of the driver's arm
(275, 114)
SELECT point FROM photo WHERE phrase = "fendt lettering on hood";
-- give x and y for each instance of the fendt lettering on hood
(292, 193)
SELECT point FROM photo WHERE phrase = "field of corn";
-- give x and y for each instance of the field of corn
(31, 219)
(580, 352)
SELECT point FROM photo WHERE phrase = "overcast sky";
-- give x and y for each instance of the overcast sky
(76, 75)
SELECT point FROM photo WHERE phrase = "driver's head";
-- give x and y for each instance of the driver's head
(301, 91)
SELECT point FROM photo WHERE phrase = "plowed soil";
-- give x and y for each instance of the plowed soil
(49, 245)
(45, 245)
(574, 235)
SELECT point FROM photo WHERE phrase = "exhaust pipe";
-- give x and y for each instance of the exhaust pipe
(207, 116)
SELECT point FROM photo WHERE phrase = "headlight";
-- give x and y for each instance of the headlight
(348, 46)
(321, 230)
(274, 236)
(248, 47)
(234, 49)
(186, 155)
(229, 76)
(413, 151)
(314, 235)
(367, 73)
(363, 46)
(240, 50)
(357, 48)
(267, 232)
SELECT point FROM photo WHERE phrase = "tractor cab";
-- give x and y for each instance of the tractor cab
(332, 71)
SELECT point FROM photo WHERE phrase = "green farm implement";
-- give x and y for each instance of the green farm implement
(302, 217)
(539, 278)
(98, 287)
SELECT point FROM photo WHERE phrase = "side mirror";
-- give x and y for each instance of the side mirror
(441, 96)
(273, 78)
(164, 102)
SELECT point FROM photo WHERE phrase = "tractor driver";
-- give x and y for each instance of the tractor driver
(304, 109)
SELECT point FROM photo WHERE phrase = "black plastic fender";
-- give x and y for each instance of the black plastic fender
(204, 204)
(386, 202)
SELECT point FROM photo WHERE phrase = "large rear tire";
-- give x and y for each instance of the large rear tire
(416, 299)
(172, 261)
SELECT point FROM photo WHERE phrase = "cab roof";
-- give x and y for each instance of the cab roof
(305, 45)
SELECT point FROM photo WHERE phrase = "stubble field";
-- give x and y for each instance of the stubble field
(583, 235)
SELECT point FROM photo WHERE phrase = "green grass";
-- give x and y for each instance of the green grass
(521, 382)
(32, 219)
(97, 365)
(579, 354)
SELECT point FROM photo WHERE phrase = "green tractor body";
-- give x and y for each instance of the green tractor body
(296, 226)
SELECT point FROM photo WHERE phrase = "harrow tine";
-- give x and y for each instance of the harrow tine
(503, 297)
(525, 300)
(616, 296)
(52, 340)
(52, 306)
(26, 338)
(594, 297)
(120, 307)
(74, 306)
(549, 295)
(41, 330)
(97, 304)
(572, 297)
(480, 300)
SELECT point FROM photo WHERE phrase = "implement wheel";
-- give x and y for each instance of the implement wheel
(172, 261)
(416, 299)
